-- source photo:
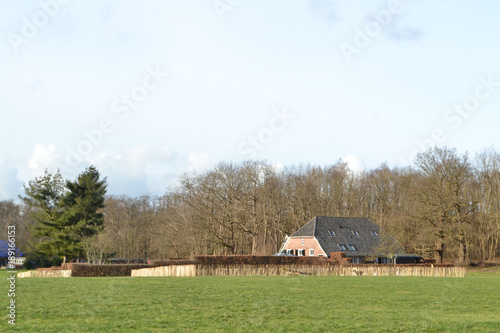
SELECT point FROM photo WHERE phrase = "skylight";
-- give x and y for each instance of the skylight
(374, 233)
(352, 247)
(355, 233)
(332, 233)
(342, 247)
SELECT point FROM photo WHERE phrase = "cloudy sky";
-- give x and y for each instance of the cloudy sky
(147, 90)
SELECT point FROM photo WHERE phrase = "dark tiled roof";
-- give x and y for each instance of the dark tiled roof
(345, 229)
(4, 250)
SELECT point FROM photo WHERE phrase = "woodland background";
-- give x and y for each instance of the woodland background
(445, 205)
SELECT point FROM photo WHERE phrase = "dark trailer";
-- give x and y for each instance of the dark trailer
(408, 259)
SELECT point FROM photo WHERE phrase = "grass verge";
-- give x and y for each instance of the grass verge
(257, 304)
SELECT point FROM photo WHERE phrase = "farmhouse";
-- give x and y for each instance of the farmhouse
(358, 238)
(4, 254)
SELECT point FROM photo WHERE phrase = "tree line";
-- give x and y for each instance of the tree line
(446, 205)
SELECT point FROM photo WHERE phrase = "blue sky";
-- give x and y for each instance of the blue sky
(149, 90)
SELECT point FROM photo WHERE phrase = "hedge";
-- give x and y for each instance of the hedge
(90, 270)
(259, 260)
(87, 270)
(173, 261)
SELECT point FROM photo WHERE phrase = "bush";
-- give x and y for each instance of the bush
(36, 261)
(29, 264)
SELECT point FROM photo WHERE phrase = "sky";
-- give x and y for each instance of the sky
(149, 90)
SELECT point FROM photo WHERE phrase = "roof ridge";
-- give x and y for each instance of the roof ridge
(341, 217)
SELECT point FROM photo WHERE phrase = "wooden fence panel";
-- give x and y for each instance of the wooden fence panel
(45, 273)
(174, 270)
(283, 270)
(288, 270)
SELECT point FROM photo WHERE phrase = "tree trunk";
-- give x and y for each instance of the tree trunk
(462, 249)
(439, 251)
(254, 244)
(462, 252)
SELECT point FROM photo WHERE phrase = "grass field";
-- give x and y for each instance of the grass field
(256, 304)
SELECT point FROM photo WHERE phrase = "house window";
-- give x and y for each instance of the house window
(385, 260)
(311, 252)
(289, 251)
(332, 233)
(355, 233)
(342, 247)
(302, 252)
(374, 233)
(352, 247)
(302, 242)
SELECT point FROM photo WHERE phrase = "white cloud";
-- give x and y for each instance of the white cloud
(325, 9)
(354, 163)
(200, 162)
(10, 184)
(42, 158)
(144, 169)
(277, 166)
(133, 171)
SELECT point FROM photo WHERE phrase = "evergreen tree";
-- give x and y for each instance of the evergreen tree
(82, 206)
(43, 196)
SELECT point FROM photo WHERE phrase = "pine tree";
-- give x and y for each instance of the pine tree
(81, 208)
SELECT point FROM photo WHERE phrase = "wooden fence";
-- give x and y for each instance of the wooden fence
(287, 270)
(176, 270)
(45, 273)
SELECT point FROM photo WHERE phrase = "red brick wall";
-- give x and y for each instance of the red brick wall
(309, 243)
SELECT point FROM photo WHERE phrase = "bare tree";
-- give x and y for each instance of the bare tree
(444, 203)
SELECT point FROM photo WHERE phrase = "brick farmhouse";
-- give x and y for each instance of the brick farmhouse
(357, 238)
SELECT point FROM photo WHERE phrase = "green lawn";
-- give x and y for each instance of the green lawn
(256, 304)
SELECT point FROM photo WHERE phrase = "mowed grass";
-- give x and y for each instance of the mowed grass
(256, 304)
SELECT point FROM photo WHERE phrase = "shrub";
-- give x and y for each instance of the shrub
(29, 264)
(36, 261)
